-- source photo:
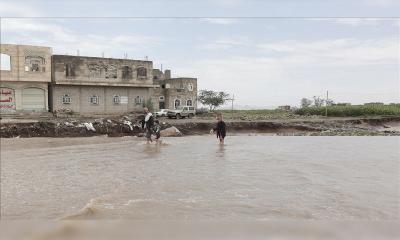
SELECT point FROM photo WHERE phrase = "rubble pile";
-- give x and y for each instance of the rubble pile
(71, 128)
(130, 126)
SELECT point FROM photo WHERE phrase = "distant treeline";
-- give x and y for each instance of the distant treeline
(353, 110)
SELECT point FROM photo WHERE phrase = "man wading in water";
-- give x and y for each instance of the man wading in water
(220, 129)
(148, 124)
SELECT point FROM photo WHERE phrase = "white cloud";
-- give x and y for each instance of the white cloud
(9, 9)
(227, 3)
(286, 71)
(345, 51)
(221, 21)
(127, 39)
(339, 51)
(28, 26)
(227, 43)
(64, 40)
(357, 22)
(382, 3)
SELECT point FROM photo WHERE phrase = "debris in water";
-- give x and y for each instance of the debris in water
(89, 127)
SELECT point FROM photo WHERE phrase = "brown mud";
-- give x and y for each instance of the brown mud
(129, 126)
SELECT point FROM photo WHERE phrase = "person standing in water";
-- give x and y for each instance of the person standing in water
(148, 124)
(220, 129)
(157, 129)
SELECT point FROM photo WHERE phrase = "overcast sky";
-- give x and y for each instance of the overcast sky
(350, 48)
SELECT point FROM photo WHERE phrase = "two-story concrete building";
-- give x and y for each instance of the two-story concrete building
(24, 78)
(100, 85)
(174, 92)
(34, 80)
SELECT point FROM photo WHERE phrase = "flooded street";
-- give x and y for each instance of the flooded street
(249, 178)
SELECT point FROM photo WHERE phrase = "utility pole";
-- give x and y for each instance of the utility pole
(232, 99)
(326, 103)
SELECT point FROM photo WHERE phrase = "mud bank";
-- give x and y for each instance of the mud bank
(352, 127)
(383, 126)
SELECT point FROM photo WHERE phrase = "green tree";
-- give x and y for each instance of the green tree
(305, 102)
(212, 99)
(149, 104)
(318, 102)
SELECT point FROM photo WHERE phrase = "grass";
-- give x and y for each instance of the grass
(262, 114)
(333, 111)
(352, 111)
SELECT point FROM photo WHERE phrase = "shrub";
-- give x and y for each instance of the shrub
(352, 111)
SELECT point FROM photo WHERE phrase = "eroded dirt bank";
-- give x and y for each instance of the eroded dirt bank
(377, 126)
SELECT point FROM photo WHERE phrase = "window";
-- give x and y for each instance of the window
(190, 87)
(116, 99)
(66, 99)
(138, 100)
(189, 102)
(126, 72)
(69, 70)
(161, 98)
(35, 67)
(177, 103)
(111, 71)
(5, 62)
(142, 72)
(34, 64)
(94, 100)
(94, 71)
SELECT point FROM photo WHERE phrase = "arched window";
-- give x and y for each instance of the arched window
(116, 99)
(94, 100)
(177, 103)
(34, 64)
(141, 72)
(126, 72)
(189, 102)
(5, 62)
(66, 99)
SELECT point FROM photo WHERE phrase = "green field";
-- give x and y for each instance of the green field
(352, 111)
(333, 111)
(263, 114)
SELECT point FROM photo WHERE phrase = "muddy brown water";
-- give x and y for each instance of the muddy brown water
(249, 178)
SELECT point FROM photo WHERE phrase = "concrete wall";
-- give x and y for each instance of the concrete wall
(20, 55)
(20, 76)
(18, 88)
(80, 98)
(83, 77)
(80, 69)
(178, 88)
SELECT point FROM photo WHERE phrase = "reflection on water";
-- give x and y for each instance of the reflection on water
(247, 178)
(221, 151)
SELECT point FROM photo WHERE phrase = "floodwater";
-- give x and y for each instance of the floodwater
(196, 178)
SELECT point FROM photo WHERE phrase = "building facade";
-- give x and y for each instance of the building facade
(34, 80)
(174, 92)
(24, 77)
(100, 85)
